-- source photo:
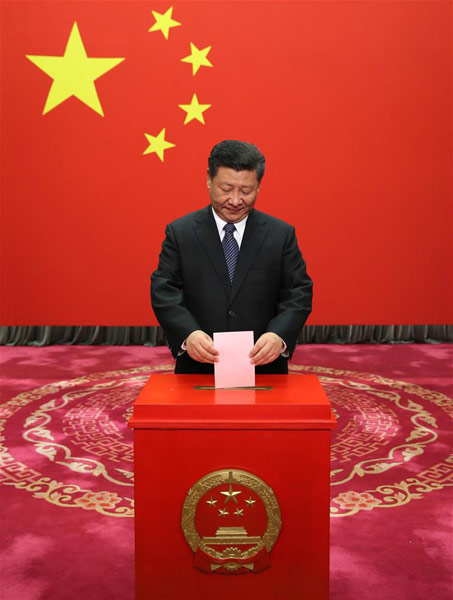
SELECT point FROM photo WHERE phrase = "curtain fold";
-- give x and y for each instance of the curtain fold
(154, 336)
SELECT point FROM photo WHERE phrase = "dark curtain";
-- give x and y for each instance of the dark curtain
(154, 336)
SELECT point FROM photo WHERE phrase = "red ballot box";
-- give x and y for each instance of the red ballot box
(232, 489)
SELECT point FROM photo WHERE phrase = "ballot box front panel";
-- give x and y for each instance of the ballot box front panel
(294, 463)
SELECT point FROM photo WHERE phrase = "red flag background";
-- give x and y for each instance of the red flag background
(350, 102)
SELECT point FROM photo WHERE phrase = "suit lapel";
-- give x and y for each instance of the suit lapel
(207, 232)
(254, 234)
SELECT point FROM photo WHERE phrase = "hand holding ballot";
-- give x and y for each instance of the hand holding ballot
(200, 347)
(267, 348)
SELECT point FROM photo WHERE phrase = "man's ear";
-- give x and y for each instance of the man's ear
(209, 180)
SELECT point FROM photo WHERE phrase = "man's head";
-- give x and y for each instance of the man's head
(235, 170)
(239, 156)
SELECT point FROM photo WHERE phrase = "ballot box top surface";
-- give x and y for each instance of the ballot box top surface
(191, 402)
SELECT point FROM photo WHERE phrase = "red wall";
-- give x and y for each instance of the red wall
(351, 103)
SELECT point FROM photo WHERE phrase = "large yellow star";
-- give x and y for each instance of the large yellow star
(231, 494)
(194, 110)
(164, 22)
(74, 73)
(158, 144)
(198, 58)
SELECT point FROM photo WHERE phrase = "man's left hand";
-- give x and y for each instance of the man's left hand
(268, 347)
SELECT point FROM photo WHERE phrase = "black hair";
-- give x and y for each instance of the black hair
(240, 156)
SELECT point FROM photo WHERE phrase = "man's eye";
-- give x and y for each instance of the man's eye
(226, 190)
(245, 192)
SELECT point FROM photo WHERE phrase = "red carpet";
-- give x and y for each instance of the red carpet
(67, 488)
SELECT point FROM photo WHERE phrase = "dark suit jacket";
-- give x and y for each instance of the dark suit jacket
(190, 289)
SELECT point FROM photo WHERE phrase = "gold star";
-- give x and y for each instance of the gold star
(194, 110)
(197, 57)
(164, 22)
(230, 495)
(223, 512)
(250, 502)
(239, 512)
(158, 144)
(74, 73)
(211, 502)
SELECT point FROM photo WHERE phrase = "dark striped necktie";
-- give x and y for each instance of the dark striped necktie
(230, 249)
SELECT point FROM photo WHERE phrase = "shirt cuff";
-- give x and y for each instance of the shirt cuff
(182, 349)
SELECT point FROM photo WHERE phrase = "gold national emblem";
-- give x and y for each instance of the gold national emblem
(231, 520)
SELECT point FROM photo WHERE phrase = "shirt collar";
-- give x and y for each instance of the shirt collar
(240, 227)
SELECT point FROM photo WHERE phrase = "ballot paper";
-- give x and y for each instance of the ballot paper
(234, 368)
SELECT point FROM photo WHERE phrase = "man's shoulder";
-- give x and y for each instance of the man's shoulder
(190, 218)
(272, 221)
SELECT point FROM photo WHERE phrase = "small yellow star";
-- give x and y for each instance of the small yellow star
(164, 22)
(158, 144)
(74, 73)
(239, 512)
(223, 512)
(194, 110)
(211, 501)
(197, 57)
(250, 502)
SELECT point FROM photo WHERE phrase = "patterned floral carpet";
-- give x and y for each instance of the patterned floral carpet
(67, 477)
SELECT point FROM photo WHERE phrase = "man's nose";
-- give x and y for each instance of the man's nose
(236, 197)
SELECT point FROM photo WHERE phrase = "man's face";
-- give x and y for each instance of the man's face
(233, 193)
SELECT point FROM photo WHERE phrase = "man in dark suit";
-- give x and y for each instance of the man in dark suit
(230, 267)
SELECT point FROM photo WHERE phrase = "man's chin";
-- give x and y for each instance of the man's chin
(233, 217)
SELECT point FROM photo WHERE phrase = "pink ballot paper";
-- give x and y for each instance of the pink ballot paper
(234, 368)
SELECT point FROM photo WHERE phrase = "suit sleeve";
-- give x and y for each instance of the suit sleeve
(295, 297)
(167, 295)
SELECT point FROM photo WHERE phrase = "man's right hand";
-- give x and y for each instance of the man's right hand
(200, 347)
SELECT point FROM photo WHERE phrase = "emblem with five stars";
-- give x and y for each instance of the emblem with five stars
(74, 74)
